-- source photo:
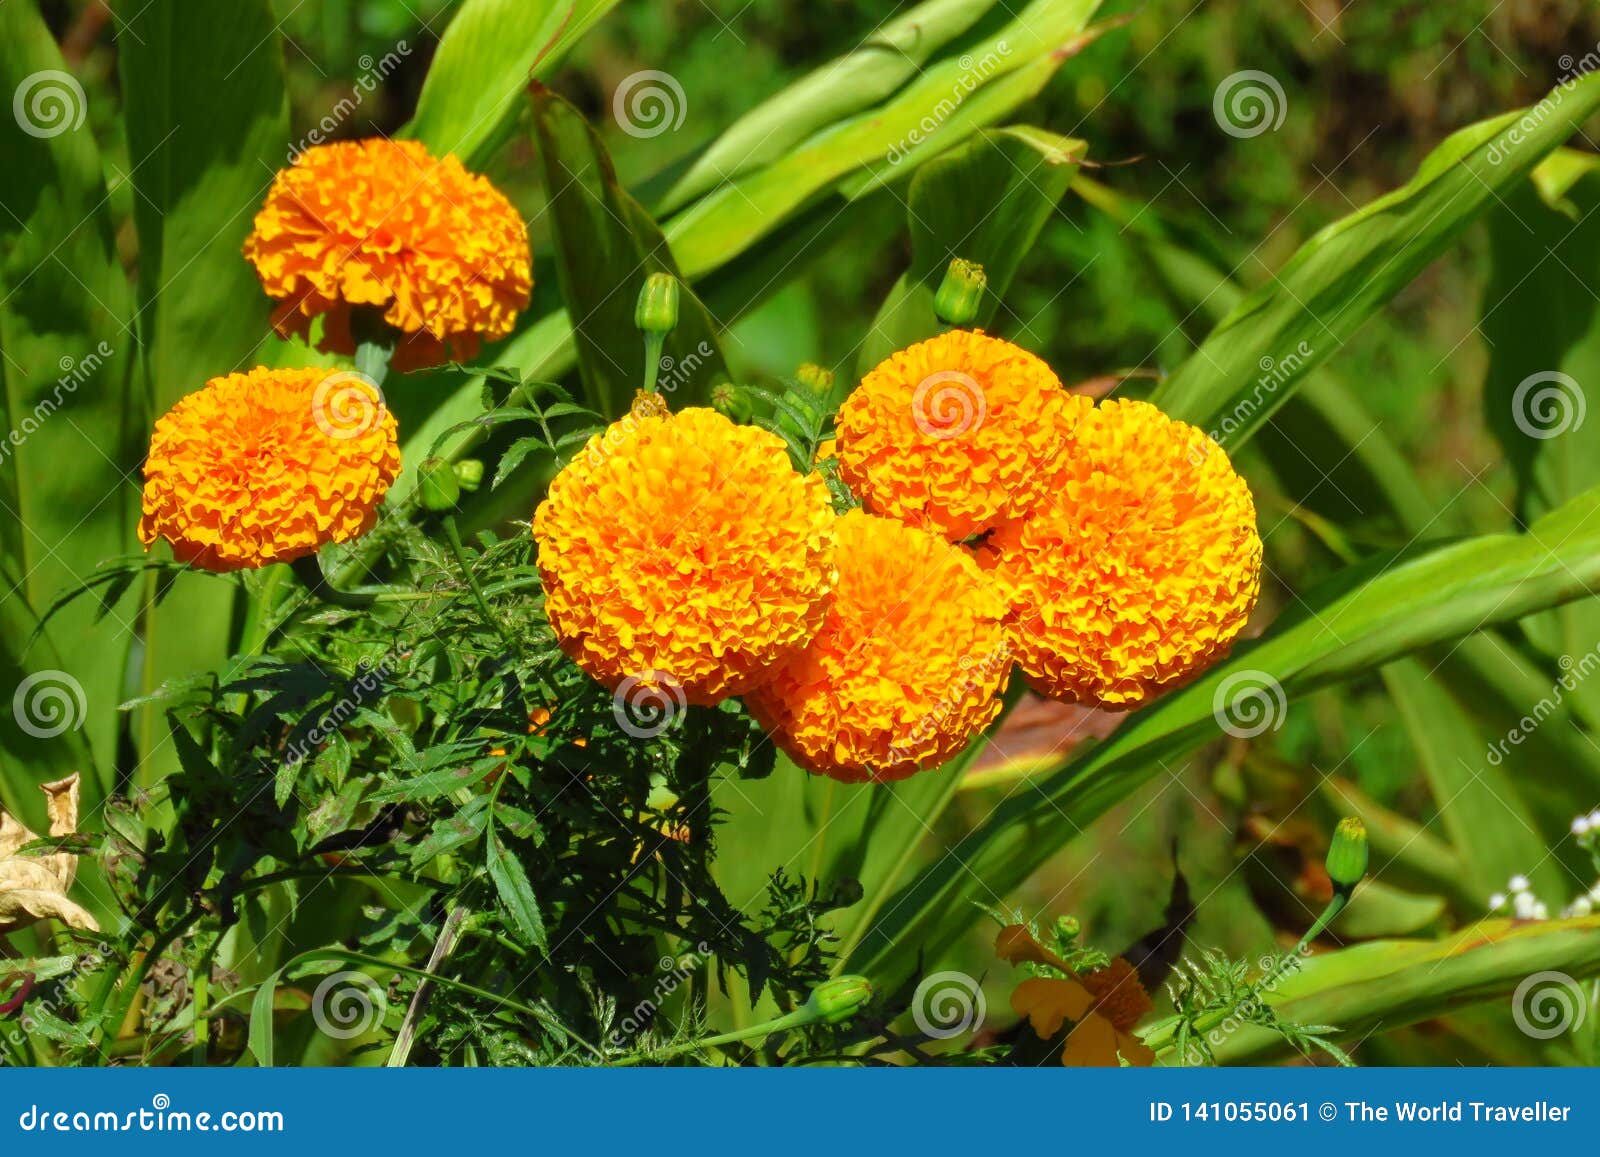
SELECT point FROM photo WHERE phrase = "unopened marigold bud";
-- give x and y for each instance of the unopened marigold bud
(730, 401)
(469, 472)
(960, 293)
(657, 310)
(840, 998)
(437, 485)
(1347, 854)
(815, 378)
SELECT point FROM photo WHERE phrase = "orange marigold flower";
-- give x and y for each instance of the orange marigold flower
(1104, 1005)
(1140, 567)
(382, 224)
(907, 668)
(267, 467)
(955, 434)
(683, 554)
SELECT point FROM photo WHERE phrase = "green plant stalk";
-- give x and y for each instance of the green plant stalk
(452, 535)
(654, 343)
(797, 1019)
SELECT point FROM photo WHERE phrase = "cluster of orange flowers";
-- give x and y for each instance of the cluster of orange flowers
(1108, 551)
(360, 240)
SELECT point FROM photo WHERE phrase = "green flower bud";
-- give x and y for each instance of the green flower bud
(730, 401)
(436, 483)
(961, 293)
(839, 999)
(469, 472)
(1347, 854)
(657, 310)
(814, 378)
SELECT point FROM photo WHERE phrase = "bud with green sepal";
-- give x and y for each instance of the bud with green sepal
(438, 486)
(960, 294)
(839, 999)
(731, 402)
(656, 314)
(469, 473)
(1347, 854)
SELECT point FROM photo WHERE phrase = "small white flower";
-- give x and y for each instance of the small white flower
(1518, 884)
(1594, 893)
(1540, 912)
(1580, 826)
(1497, 901)
(1581, 907)
(1523, 905)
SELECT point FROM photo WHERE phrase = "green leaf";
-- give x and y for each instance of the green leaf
(208, 127)
(1390, 983)
(606, 245)
(516, 893)
(1542, 393)
(1344, 274)
(986, 202)
(1361, 619)
(70, 418)
(488, 54)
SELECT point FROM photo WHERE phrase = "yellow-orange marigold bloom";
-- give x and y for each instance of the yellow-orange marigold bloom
(382, 224)
(683, 552)
(1140, 567)
(955, 434)
(908, 666)
(268, 466)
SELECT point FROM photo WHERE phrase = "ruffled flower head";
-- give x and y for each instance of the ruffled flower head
(268, 467)
(908, 667)
(1139, 568)
(955, 434)
(437, 251)
(682, 553)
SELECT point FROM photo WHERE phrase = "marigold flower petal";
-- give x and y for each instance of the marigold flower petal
(1139, 568)
(268, 467)
(907, 668)
(381, 223)
(955, 434)
(685, 550)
